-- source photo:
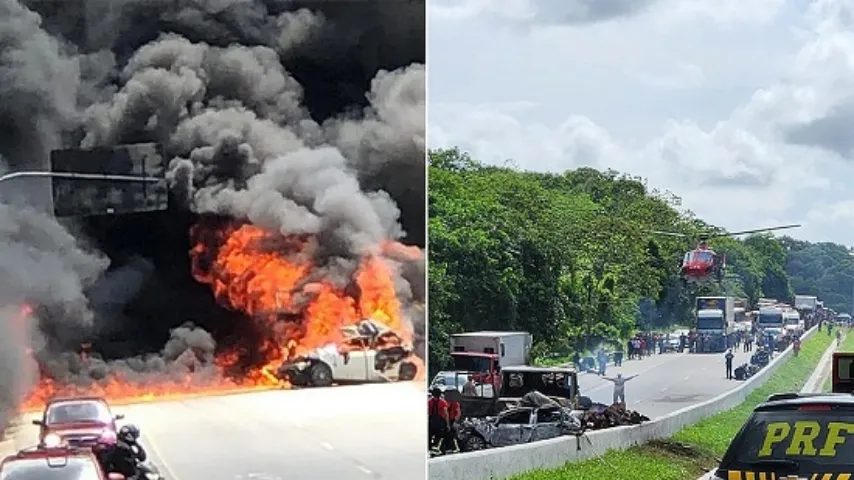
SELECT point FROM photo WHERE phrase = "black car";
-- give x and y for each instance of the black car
(794, 434)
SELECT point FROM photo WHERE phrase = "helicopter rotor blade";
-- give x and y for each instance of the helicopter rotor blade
(756, 230)
(668, 234)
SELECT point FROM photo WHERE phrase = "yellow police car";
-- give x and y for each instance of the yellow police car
(795, 435)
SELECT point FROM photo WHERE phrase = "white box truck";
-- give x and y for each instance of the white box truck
(715, 323)
(504, 348)
(805, 302)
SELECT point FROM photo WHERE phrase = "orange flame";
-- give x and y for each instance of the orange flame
(270, 278)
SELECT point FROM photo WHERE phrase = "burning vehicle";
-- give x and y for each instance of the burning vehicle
(370, 352)
(220, 202)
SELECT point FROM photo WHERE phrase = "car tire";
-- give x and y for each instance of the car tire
(474, 443)
(298, 379)
(321, 375)
(407, 372)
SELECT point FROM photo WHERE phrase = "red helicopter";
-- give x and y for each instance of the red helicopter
(701, 265)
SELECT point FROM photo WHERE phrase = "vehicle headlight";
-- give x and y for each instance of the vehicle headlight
(52, 440)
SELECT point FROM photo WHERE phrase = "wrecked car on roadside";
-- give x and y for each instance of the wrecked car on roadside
(517, 425)
(370, 352)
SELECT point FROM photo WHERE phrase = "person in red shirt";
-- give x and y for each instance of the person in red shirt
(454, 415)
(438, 419)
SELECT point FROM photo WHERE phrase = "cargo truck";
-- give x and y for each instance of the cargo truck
(792, 323)
(487, 352)
(808, 306)
(715, 323)
(770, 319)
(805, 302)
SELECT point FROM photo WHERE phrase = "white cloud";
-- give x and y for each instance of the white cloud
(743, 112)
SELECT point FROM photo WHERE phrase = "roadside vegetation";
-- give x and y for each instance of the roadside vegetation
(697, 448)
(569, 257)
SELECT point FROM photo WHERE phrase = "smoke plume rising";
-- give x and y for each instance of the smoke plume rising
(302, 118)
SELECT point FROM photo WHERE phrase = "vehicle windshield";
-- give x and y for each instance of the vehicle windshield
(553, 384)
(817, 441)
(62, 468)
(770, 318)
(78, 411)
(703, 256)
(467, 363)
(708, 323)
(448, 379)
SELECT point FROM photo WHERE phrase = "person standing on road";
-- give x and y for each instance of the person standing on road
(438, 419)
(451, 445)
(728, 358)
(620, 387)
(603, 361)
(618, 356)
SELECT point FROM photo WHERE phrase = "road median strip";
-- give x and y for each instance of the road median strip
(696, 448)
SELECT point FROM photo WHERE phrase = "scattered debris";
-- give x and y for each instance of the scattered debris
(600, 416)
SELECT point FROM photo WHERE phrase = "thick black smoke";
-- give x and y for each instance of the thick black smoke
(301, 117)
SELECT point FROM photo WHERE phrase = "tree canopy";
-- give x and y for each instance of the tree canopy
(571, 258)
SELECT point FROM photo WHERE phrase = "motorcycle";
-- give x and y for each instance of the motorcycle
(123, 455)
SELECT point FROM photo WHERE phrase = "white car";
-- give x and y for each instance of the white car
(455, 380)
(371, 352)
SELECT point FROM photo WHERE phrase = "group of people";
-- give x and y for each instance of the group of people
(643, 345)
(443, 415)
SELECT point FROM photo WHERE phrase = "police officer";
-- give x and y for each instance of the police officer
(728, 358)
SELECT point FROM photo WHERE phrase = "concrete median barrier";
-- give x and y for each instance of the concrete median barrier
(505, 462)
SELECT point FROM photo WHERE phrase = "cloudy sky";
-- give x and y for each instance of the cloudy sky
(744, 108)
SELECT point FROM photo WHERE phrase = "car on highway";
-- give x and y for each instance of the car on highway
(515, 426)
(54, 464)
(370, 352)
(793, 434)
(77, 421)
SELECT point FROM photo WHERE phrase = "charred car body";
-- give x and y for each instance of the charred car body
(370, 352)
(540, 419)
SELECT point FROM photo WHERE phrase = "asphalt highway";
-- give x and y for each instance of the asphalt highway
(369, 431)
(665, 382)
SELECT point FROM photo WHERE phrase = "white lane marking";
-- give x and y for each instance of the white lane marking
(364, 470)
(327, 446)
(663, 389)
(688, 377)
(168, 473)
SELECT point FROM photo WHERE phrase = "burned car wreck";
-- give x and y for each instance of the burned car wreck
(370, 352)
(537, 418)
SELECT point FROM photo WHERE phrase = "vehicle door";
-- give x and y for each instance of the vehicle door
(353, 363)
(509, 427)
(546, 423)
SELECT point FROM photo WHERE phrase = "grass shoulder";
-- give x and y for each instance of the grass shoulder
(696, 448)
